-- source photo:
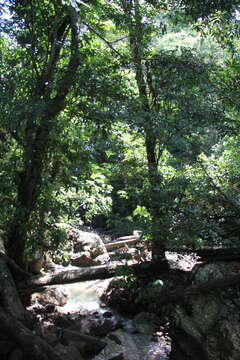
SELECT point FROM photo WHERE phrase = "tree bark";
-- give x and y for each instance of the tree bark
(127, 240)
(148, 107)
(181, 293)
(32, 346)
(9, 297)
(13, 316)
(37, 137)
(93, 273)
(107, 271)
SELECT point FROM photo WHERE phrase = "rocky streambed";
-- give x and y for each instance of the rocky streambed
(84, 328)
(202, 325)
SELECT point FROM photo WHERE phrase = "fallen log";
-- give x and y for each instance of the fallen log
(107, 271)
(124, 241)
(128, 237)
(93, 273)
(181, 293)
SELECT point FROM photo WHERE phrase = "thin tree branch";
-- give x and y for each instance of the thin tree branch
(109, 44)
(216, 187)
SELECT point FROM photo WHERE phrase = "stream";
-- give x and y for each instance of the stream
(132, 339)
(83, 295)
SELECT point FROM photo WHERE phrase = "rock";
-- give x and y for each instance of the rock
(107, 314)
(112, 350)
(70, 352)
(86, 344)
(131, 347)
(101, 259)
(207, 327)
(117, 357)
(90, 242)
(98, 326)
(54, 295)
(115, 338)
(50, 308)
(82, 260)
(144, 322)
(85, 248)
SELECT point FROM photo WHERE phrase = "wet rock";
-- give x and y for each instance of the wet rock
(97, 326)
(117, 357)
(50, 308)
(85, 343)
(70, 352)
(54, 295)
(101, 259)
(132, 347)
(63, 320)
(107, 314)
(115, 338)
(144, 322)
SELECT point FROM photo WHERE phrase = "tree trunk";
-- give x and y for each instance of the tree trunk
(50, 86)
(13, 317)
(27, 195)
(181, 293)
(122, 241)
(32, 346)
(93, 273)
(107, 271)
(37, 135)
(9, 297)
(148, 108)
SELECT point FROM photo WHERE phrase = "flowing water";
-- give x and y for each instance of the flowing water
(134, 338)
(82, 294)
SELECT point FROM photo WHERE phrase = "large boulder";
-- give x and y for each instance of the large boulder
(82, 260)
(207, 326)
(54, 295)
(88, 241)
(84, 248)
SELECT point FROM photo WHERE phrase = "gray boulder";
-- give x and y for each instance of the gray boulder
(84, 248)
(54, 295)
(207, 326)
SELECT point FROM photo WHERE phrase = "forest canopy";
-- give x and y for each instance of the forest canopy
(120, 115)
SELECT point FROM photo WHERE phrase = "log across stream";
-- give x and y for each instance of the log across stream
(177, 295)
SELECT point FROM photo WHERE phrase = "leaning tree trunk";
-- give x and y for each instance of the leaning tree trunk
(49, 92)
(15, 321)
(38, 132)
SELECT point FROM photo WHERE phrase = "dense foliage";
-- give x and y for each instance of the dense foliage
(120, 115)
